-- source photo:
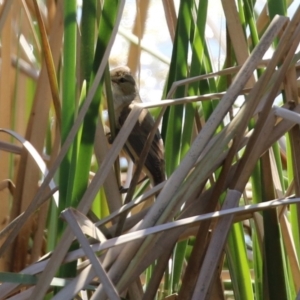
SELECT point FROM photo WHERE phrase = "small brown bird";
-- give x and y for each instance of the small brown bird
(125, 94)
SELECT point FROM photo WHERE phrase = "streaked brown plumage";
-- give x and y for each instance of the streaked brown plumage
(125, 94)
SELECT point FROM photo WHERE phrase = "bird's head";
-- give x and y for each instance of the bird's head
(123, 85)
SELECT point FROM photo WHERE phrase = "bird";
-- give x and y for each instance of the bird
(125, 96)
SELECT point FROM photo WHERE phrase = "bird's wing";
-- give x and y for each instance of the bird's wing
(155, 162)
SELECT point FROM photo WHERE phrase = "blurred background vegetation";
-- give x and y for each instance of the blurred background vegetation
(221, 77)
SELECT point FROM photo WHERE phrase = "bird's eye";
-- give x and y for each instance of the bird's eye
(122, 80)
